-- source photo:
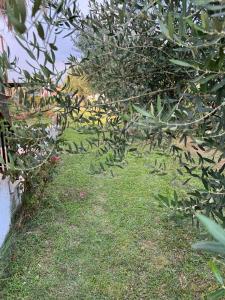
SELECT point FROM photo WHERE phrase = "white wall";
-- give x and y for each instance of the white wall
(10, 199)
(5, 209)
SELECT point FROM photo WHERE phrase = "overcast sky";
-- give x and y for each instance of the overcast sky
(64, 45)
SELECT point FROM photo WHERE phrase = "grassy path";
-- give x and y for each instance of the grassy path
(99, 237)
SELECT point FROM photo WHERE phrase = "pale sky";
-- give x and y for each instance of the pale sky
(83, 5)
(64, 45)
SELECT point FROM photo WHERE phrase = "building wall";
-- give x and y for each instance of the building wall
(10, 200)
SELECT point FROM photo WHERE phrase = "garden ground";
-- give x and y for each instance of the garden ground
(104, 237)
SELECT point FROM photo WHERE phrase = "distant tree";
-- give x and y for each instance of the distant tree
(79, 83)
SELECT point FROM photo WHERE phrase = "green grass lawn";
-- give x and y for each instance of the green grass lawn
(103, 237)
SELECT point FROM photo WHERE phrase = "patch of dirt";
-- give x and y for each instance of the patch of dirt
(182, 280)
(73, 226)
(74, 194)
(193, 148)
(148, 245)
(158, 259)
(178, 256)
(98, 210)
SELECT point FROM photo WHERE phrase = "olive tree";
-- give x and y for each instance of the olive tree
(159, 69)
(32, 150)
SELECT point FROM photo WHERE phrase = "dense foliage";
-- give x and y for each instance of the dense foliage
(38, 111)
(159, 68)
